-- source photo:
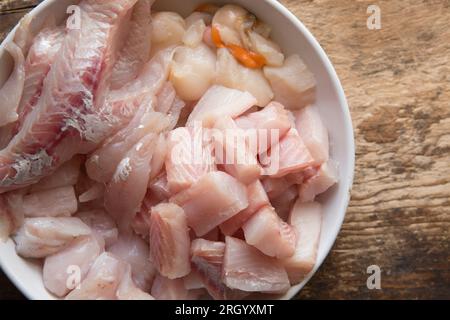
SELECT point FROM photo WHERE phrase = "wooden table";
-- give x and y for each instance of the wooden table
(397, 82)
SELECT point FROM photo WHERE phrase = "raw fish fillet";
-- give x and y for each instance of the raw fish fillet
(67, 119)
(290, 155)
(246, 268)
(134, 250)
(56, 202)
(189, 158)
(211, 201)
(257, 199)
(220, 101)
(306, 218)
(169, 241)
(66, 175)
(102, 280)
(127, 290)
(101, 224)
(136, 49)
(266, 231)
(207, 261)
(314, 133)
(325, 178)
(267, 126)
(77, 258)
(125, 192)
(234, 153)
(167, 289)
(11, 91)
(41, 237)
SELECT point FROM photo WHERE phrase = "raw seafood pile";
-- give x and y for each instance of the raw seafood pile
(149, 156)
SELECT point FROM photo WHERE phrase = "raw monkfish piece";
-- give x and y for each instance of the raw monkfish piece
(66, 175)
(306, 218)
(11, 91)
(288, 156)
(211, 201)
(136, 48)
(168, 30)
(127, 289)
(169, 289)
(101, 223)
(246, 268)
(267, 232)
(77, 258)
(68, 118)
(233, 152)
(56, 202)
(294, 84)
(207, 262)
(218, 102)
(127, 189)
(11, 214)
(169, 241)
(314, 133)
(324, 179)
(189, 158)
(41, 237)
(193, 71)
(267, 126)
(257, 198)
(284, 202)
(102, 280)
(134, 250)
(232, 74)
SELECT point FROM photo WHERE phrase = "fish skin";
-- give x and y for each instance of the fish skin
(67, 119)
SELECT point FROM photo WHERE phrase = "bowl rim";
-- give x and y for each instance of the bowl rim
(348, 134)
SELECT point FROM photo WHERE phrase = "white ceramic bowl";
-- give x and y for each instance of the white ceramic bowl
(293, 37)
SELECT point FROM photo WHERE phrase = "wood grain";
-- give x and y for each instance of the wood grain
(397, 81)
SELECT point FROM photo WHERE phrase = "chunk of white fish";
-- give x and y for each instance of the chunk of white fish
(306, 218)
(75, 260)
(248, 269)
(220, 101)
(101, 223)
(56, 202)
(293, 84)
(41, 237)
(128, 290)
(102, 280)
(211, 201)
(169, 241)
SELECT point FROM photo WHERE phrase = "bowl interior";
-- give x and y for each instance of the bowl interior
(293, 37)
